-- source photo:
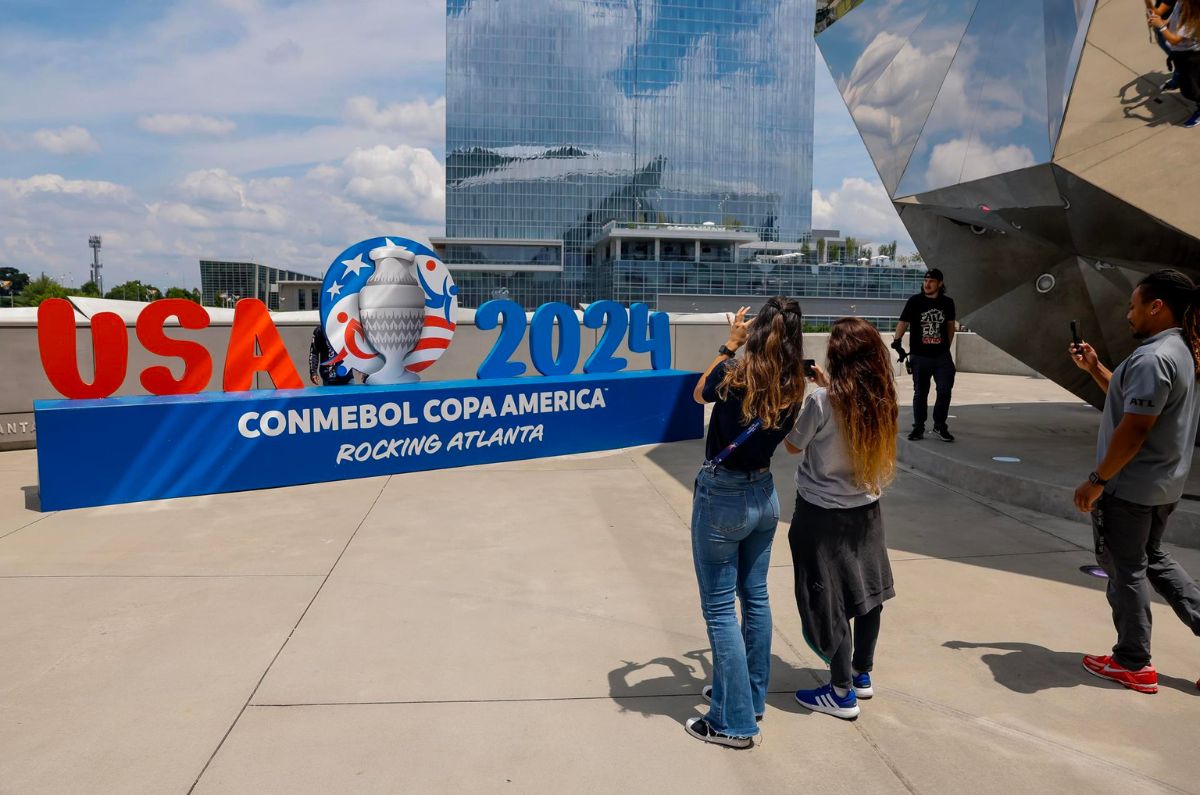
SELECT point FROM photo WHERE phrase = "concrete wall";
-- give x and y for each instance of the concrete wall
(694, 338)
(974, 354)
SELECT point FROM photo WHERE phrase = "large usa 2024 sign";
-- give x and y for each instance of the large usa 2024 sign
(388, 309)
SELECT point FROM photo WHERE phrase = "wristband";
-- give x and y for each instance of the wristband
(1095, 479)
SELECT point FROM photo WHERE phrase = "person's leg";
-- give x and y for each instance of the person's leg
(1122, 531)
(840, 674)
(922, 372)
(1168, 577)
(866, 635)
(943, 376)
(754, 560)
(719, 523)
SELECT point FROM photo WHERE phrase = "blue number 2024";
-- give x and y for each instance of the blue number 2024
(649, 332)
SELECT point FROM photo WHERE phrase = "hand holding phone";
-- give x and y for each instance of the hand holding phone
(1075, 339)
(809, 372)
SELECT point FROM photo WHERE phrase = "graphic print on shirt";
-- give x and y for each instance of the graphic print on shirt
(932, 323)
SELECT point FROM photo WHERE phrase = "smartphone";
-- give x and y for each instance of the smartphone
(1075, 340)
(808, 368)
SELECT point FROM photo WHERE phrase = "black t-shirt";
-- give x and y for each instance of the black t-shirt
(726, 425)
(928, 321)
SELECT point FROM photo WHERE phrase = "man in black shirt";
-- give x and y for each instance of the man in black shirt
(319, 352)
(930, 315)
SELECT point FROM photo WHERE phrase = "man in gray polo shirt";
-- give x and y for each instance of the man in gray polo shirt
(1143, 454)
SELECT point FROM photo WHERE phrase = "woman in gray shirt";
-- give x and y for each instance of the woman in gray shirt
(846, 432)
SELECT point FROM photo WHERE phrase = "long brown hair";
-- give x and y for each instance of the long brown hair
(1189, 14)
(770, 372)
(862, 391)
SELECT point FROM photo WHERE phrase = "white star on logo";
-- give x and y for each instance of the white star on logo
(334, 290)
(355, 265)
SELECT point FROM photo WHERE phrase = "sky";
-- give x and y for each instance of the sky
(272, 132)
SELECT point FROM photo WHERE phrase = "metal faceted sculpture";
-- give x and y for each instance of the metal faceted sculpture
(1032, 156)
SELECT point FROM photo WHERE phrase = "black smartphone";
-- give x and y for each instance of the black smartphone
(808, 368)
(1075, 340)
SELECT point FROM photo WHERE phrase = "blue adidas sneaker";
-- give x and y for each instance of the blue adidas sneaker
(824, 699)
(862, 685)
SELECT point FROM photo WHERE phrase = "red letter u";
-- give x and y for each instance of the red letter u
(56, 344)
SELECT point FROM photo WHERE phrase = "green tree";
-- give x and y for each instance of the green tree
(17, 280)
(134, 291)
(39, 290)
(183, 292)
(89, 290)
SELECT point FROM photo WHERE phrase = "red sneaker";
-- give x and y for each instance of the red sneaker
(1143, 680)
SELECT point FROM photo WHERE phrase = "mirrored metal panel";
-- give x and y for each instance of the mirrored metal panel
(990, 115)
(830, 11)
(1067, 24)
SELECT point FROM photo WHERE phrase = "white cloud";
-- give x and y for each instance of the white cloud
(417, 119)
(56, 184)
(859, 208)
(961, 160)
(402, 177)
(213, 188)
(185, 124)
(72, 140)
(298, 223)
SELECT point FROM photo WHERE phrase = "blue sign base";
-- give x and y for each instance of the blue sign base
(118, 450)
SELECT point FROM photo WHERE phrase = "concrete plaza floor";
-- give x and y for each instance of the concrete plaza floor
(535, 627)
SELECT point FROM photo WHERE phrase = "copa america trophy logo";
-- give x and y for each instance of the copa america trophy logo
(388, 306)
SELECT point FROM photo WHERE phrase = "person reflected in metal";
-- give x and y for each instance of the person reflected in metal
(1143, 454)
(846, 432)
(1163, 9)
(1181, 30)
(735, 509)
(930, 314)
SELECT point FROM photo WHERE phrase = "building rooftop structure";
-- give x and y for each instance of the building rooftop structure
(224, 283)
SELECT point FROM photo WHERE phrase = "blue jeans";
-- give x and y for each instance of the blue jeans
(734, 516)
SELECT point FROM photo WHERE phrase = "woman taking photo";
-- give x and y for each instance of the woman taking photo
(735, 510)
(847, 433)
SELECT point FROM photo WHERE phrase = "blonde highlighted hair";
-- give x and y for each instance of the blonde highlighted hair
(862, 392)
(770, 371)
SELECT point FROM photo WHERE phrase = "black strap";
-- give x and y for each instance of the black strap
(728, 451)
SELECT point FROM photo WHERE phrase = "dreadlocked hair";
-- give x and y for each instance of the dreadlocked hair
(770, 372)
(862, 392)
(1180, 294)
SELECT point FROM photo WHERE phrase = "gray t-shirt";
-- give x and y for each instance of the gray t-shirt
(825, 476)
(1158, 379)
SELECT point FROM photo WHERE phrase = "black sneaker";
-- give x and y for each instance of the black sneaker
(699, 728)
(706, 694)
(944, 434)
(916, 435)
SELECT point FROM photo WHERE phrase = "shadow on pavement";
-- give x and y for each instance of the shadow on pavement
(1028, 668)
(676, 692)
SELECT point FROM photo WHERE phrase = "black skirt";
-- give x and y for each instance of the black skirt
(1187, 72)
(842, 570)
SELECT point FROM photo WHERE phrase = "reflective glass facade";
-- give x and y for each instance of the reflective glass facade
(223, 283)
(564, 115)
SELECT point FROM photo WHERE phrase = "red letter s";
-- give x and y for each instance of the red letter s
(197, 364)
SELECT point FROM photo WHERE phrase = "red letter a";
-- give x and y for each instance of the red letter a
(56, 344)
(252, 323)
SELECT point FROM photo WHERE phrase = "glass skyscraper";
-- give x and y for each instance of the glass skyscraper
(586, 139)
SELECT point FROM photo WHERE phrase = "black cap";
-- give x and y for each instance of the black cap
(935, 273)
